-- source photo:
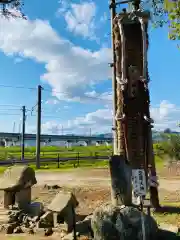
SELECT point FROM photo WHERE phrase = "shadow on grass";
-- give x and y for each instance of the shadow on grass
(80, 217)
(166, 235)
(168, 210)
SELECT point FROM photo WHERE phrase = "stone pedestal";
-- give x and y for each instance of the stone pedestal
(9, 199)
(16, 183)
(121, 189)
(23, 198)
(4, 216)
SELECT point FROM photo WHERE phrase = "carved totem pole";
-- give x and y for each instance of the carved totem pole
(132, 122)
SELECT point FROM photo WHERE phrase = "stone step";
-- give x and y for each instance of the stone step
(4, 211)
(4, 218)
(168, 227)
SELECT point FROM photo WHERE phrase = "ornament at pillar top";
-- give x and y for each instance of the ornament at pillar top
(133, 16)
(12, 8)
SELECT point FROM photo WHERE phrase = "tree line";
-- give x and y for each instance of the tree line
(169, 146)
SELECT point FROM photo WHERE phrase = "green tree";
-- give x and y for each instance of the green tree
(167, 130)
(173, 9)
(172, 146)
(165, 12)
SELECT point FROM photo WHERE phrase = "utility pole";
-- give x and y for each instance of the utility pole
(23, 132)
(19, 130)
(38, 134)
(14, 127)
(113, 14)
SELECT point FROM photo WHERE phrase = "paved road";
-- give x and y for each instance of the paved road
(79, 177)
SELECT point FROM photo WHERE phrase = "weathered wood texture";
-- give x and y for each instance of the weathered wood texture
(130, 132)
(133, 131)
(121, 181)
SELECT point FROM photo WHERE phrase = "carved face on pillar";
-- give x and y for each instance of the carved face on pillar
(133, 80)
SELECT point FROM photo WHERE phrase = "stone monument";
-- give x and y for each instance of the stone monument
(16, 183)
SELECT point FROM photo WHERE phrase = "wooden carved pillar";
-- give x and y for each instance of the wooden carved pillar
(132, 116)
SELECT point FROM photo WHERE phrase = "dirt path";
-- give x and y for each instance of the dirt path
(92, 177)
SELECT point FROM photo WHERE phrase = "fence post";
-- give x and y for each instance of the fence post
(58, 161)
(78, 159)
(96, 155)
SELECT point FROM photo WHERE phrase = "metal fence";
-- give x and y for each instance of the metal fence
(60, 158)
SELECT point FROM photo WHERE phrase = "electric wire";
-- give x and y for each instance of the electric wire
(88, 97)
(52, 91)
(17, 87)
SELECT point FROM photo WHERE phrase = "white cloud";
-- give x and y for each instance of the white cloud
(52, 126)
(80, 18)
(98, 121)
(104, 18)
(70, 70)
(106, 96)
(66, 107)
(165, 115)
(64, 6)
(84, 19)
(52, 101)
(18, 60)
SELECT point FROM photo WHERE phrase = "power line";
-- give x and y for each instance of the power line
(16, 114)
(18, 87)
(9, 105)
(47, 90)
(51, 117)
(10, 109)
(46, 116)
(89, 97)
(13, 109)
(10, 114)
(27, 110)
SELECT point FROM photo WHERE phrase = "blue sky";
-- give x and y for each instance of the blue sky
(65, 47)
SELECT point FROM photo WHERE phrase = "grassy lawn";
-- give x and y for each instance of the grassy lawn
(61, 152)
(172, 216)
(159, 162)
(54, 152)
(73, 164)
(90, 163)
(67, 165)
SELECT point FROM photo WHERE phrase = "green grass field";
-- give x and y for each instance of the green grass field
(54, 152)
(62, 152)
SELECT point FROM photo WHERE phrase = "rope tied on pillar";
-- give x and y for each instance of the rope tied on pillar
(144, 40)
(123, 79)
